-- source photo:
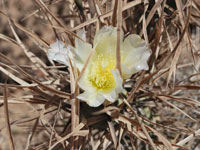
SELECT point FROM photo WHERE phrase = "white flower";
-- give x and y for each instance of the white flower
(101, 80)
(59, 53)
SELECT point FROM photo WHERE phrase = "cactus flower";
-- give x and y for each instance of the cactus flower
(101, 80)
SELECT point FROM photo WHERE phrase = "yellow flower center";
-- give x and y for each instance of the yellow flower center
(100, 74)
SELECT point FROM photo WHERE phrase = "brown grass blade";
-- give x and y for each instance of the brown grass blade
(64, 94)
(75, 103)
(114, 15)
(32, 133)
(76, 132)
(166, 143)
(7, 120)
(178, 51)
(15, 78)
(187, 139)
(172, 105)
(113, 133)
(119, 26)
(107, 14)
(142, 125)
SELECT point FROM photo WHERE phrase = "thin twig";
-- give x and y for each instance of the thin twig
(7, 120)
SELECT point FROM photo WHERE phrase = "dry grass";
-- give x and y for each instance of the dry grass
(38, 105)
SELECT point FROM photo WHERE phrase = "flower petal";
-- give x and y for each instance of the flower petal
(104, 32)
(140, 61)
(58, 52)
(118, 81)
(105, 40)
(133, 40)
(84, 83)
(82, 34)
(135, 55)
(93, 99)
(82, 50)
(126, 72)
(111, 97)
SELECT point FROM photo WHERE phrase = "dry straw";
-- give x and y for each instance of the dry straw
(157, 109)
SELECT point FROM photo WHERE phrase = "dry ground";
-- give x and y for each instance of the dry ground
(162, 111)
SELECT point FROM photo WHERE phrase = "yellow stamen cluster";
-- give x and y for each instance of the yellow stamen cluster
(100, 74)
